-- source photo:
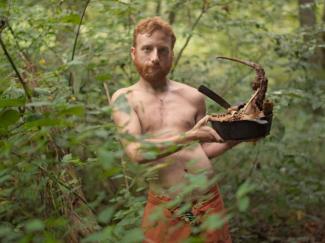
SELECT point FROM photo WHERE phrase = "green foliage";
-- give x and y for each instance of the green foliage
(65, 139)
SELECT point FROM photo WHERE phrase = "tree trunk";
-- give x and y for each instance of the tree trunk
(307, 19)
(158, 7)
(307, 16)
(323, 38)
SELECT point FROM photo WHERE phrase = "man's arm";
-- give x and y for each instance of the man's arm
(127, 121)
(212, 150)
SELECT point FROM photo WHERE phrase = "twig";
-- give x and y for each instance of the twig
(17, 44)
(230, 85)
(158, 7)
(23, 83)
(127, 186)
(107, 93)
(203, 10)
(172, 13)
(57, 180)
(126, 182)
(76, 40)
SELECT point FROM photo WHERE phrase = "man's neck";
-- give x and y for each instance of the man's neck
(158, 86)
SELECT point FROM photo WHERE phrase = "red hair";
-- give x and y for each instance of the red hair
(151, 25)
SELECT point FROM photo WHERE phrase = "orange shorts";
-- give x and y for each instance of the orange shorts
(170, 228)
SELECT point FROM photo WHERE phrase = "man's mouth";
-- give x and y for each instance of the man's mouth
(152, 69)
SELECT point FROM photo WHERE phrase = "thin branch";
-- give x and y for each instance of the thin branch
(107, 93)
(59, 181)
(172, 13)
(323, 38)
(126, 182)
(158, 7)
(24, 54)
(76, 40)
(78, 31)
(203, 10)
(21, 80)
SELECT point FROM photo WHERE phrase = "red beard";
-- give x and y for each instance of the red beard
(152, 73)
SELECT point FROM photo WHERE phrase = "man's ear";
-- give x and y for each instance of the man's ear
(133, 52)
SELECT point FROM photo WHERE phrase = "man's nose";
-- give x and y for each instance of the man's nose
(155, 56)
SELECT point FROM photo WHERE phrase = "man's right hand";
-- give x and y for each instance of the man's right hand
(203, 133)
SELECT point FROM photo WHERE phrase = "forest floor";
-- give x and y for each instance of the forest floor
(309, 229)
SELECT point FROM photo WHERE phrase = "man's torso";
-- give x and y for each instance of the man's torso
(168, 114)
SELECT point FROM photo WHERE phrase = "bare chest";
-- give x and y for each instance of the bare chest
(165, 115)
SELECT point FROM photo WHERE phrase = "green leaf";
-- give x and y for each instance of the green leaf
(3, 7)
(244, 188)
(194, 239)
(41, 91)
(46, 122)
(34, 225)
(106, 158)
(9, 117)
(243, 204)
(3, 4)
(101, 236)
(12, 102)
(67, 158)
(75, 62)
(104, 77)
(56, 222)
(75, 110)
(71, 19)
(4, 83)
(113, 172)
(106, 215)
(149, 155)
(133, 235)
(199, 180)
(213, 222)
(39, 104)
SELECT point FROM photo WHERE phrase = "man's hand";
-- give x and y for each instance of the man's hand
(203, 133)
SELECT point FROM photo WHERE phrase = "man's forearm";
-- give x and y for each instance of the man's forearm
(152, 149)
(213, 150)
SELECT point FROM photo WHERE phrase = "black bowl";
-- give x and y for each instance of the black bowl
(243, 129)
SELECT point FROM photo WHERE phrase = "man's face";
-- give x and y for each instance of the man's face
(153, 55)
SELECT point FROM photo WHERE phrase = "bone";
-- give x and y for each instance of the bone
(255, 105)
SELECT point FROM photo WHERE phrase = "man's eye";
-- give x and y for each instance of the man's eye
(163, 51)
(147, 49)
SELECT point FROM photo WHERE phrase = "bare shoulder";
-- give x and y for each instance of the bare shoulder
(189, 92)
(123, 92)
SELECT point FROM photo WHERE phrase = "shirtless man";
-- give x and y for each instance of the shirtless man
(168, 112)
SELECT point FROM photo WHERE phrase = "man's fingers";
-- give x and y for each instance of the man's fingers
(205, 119)
(218, 138)
(202, 122)
(215, 135)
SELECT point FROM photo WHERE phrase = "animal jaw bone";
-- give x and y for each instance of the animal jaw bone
(256, 107)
